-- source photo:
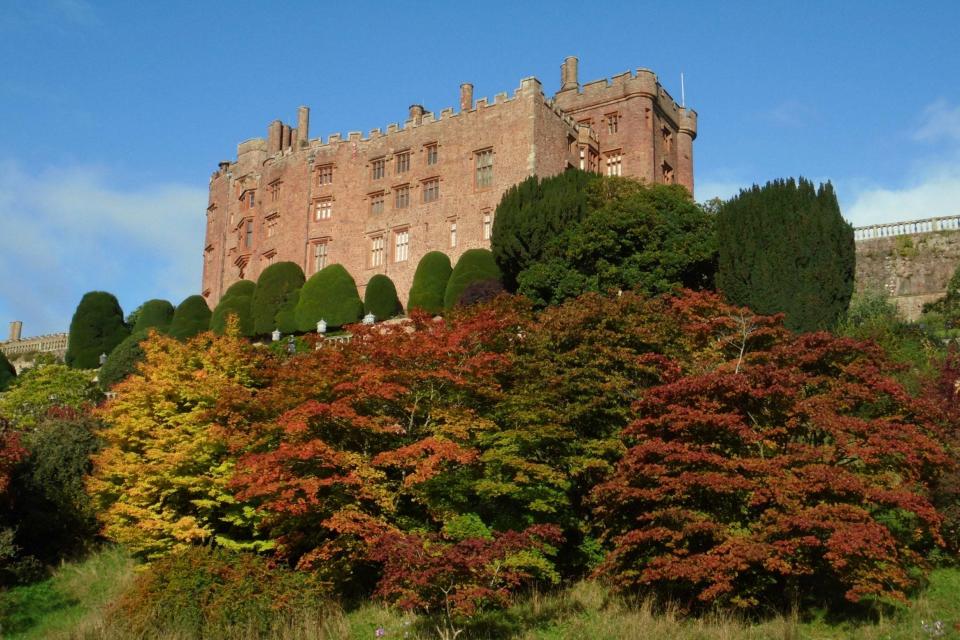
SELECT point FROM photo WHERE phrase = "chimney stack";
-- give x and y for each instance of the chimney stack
(568, 74)
(466, 96)
(274, 136)
(286, 137)
(416, 113)
(15, 328)
(303, 126)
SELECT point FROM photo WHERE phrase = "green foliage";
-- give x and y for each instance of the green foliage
(650, 238)
(287, 315)
(96, 328)
(381, 299)
(39, 389)
(191, 317)
(784, 247)
(475, 265)
(122, 361)
(331, 295)
(52, 512)
(531, 215)
(236, 301)
(277, 286)
(430, 283)
(154, 314)
(7, 373)
(215, 593)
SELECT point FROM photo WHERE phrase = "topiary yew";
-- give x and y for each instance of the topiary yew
(277, 285)
(381, 299)
(330, 295)
(236, 301)
(122, 361)
(430, 283)
(96, 328)
(191, 317)
(154, 314)
(475, 265)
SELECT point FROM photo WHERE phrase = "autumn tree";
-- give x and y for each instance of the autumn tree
(797, 473)
(42, 388)
(160, 483)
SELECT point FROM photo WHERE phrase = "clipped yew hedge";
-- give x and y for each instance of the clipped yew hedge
(330, 295)
(381, 299)
(430, 283)
(475, 265)
(191, 317)
(154, 314)
(97, 327)
(236, 301)
(277, 285)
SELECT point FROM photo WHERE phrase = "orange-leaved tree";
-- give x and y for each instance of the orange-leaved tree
(160, 482)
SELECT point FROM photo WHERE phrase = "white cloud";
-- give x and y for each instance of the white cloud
(69, 230)
(936, 194)
(939, 123)
(724, 189)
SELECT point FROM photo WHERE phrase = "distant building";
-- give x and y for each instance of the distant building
(377, 204)
(22, 351)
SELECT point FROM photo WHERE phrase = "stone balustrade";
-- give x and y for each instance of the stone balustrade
(909, 227)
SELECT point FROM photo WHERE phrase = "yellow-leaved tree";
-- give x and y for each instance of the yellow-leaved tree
(160, 482)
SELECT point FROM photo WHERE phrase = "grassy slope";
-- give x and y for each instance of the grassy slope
(70, 604)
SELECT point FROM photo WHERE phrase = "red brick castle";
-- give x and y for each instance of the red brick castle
(377, 204)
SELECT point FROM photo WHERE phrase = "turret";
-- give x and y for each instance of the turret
(15, 328)
(568, 74)
(416, 113)
(274, 137)
(686, 133)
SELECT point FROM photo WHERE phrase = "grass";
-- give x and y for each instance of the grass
(70, 606)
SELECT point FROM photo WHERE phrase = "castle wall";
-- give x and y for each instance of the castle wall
(269, 204)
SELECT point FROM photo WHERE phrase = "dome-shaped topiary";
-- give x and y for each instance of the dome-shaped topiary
(122, 361)
(475, 265)
(154, 314)
(191, 317)
(430, 283)
(7, 372)
(330, 295)
(236, 301)
(276, 286)
(381, 299)
(287, 315)
(97, 327)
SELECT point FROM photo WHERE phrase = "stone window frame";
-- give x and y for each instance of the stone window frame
(249, 198)
(483, 173)
(401, 196)
(245, 241)
(377, 250)
(613, 162)
(401, 243)
(401, 163)
(486, 223)
(271, 224)
(431, 153)
(613, 122)
(431, 189)
(453, 238)
(378, 168)
(269, 257)
(378, 201)
(323, 209)
(667, 174)
(316, 254)
(274, 188)
(325, 174)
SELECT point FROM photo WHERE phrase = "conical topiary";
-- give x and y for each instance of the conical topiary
(330, 295)
(430, 283)
(380, 298)
(475, 265)
(96, 328)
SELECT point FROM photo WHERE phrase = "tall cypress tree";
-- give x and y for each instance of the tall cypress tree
(784, 247)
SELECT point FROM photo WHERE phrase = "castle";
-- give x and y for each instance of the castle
(377, 204)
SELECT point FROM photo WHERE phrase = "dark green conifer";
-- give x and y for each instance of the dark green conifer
(96, 328)
(235, 301)
(154, 314)
(277, 285)
(430, 283)
(381, 299)
(191, 317)
(7, 372)
(330, 295)
(475, 265)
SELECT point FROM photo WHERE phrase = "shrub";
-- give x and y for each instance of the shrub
(806, 273)
(287, 315)
(475, 265)
(236, 301)
(380, 298)
(191, 317)
(154, 314)
(96, 328)
(430, 283)
(277, 285)
(122, 361)
(38, 390)
(214, 593)
(531, 215)
(481, 291)
(331, 295)
(7, 372)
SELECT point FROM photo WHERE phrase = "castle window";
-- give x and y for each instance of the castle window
(376, 202)
(324, 210)
(251, 200)
(667, 172)
(403, 162)
(432, 154)
(379, 168)
(319, 255)
(484, 167)
(376, 251)
(487, 225)
(248, 235)
(583, 162)
(401, 196)
(667, 139)
(401, 248)
(613, 122)
(274, 191)
(270, 258)
(272, 225)
(613, 163)
(453, 233)
(431, 190)
(325, 174)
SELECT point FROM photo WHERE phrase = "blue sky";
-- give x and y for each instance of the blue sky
(114, 114)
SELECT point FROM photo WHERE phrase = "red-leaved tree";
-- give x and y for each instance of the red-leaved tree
(795, 472)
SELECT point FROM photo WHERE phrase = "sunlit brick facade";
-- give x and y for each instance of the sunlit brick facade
(377, 204)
